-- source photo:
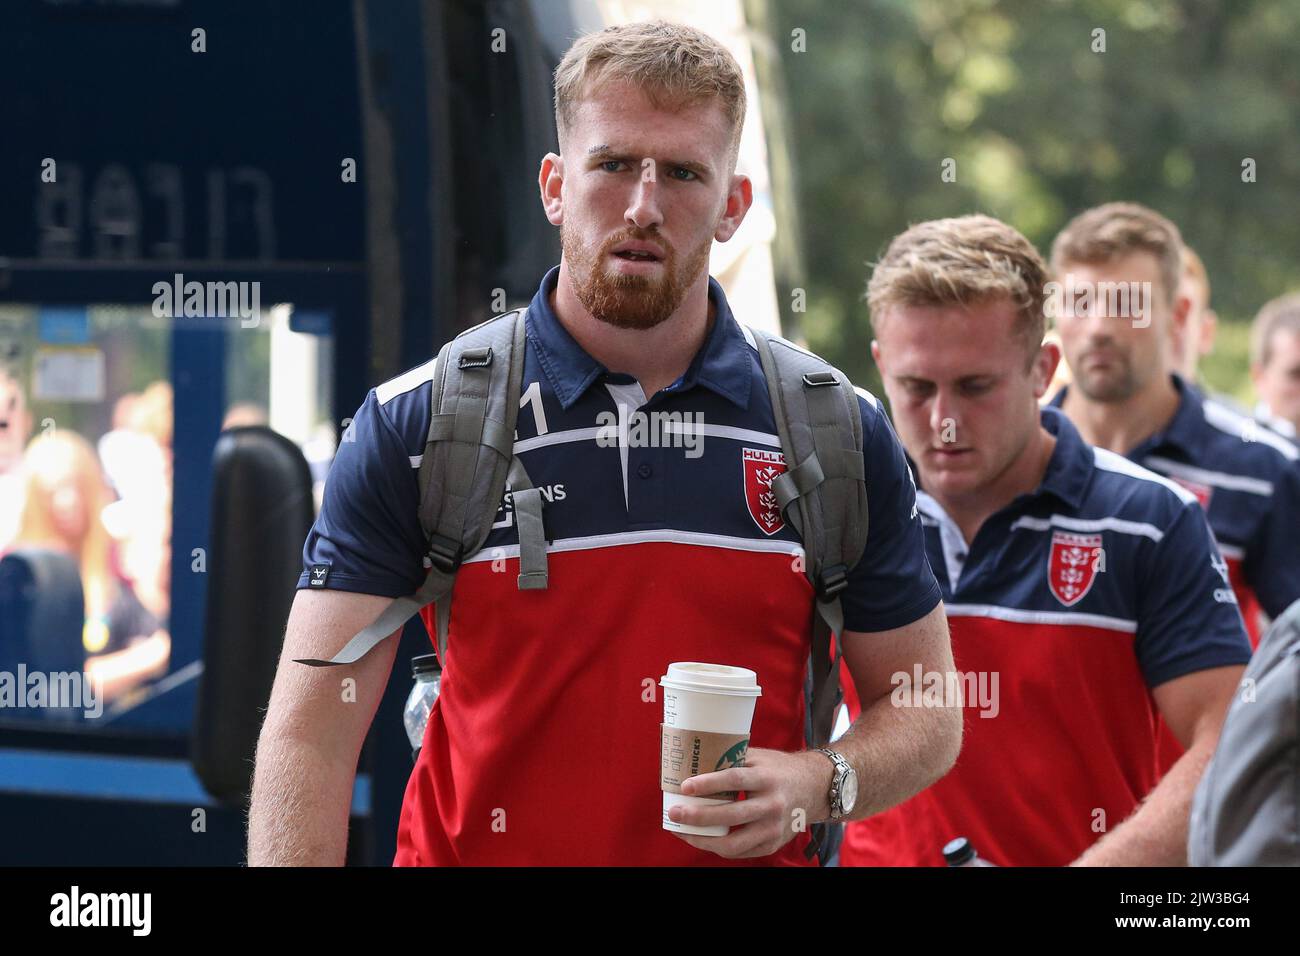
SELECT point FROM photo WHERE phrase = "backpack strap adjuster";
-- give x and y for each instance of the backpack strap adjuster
(831, 581)
(445, 553)
(475, 358)
(818, 379)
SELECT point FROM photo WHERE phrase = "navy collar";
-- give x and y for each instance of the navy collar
(1183, 431)
(723, 364)
(1070, 467)
(1068, 470)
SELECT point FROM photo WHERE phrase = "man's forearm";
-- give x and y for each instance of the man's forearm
(298, 815)
(1156, 833)
(897, 752)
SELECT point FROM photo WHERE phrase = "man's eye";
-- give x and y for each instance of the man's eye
(687, 175)
(614, 163)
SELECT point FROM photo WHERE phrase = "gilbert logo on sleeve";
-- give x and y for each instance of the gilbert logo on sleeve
(320, 573)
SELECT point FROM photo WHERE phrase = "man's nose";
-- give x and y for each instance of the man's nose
(1086, 322)
(1098, 326)
(643, 211)
(943, 418)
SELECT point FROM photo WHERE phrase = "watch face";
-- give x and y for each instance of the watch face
(849, 791)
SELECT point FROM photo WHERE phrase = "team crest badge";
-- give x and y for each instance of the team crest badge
(761, 468)
(1072, 566)
(1201, 491)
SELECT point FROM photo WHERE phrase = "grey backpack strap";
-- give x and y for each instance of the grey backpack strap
(468, 458)
(823, 494)
(1246, 810)
(527, 502)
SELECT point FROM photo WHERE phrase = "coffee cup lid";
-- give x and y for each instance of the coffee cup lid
(712, 679)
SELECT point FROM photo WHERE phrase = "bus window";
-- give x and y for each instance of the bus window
(282, 378)
(88, 410)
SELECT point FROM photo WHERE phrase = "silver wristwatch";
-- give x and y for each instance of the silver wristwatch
(844, 786)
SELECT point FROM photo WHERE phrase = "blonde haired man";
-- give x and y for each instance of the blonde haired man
(1081, 589)
(1127, 396)
(543, 744)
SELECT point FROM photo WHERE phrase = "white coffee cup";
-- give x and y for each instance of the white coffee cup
(710, 698)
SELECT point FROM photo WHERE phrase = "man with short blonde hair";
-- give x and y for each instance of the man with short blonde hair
(671, 64)
(969, 260)
(1119, 229)
(1081, 589)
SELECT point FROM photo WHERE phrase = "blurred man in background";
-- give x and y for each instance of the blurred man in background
(1129, 397)
(1194, 340)
(1275, 362)
(1081, 589)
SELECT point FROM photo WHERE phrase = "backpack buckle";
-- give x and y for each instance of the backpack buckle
(818, 379)
(831, 581)
(475, 358)
(445, 554)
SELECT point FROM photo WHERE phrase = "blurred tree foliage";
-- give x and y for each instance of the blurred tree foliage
(1041, 127)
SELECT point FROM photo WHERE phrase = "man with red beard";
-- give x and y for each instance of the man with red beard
(543, 744)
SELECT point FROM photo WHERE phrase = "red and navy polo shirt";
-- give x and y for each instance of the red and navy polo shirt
(543, 747)
(1247, 477)
(1066, 609)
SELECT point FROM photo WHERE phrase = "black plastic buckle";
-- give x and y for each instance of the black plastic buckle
(832, 580)
(817, 379)
(475, 358)
(445, 554)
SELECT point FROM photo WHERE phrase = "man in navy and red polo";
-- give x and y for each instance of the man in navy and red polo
(657, 555)
(1084, 593)
(1127, 397)
(543, 747)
